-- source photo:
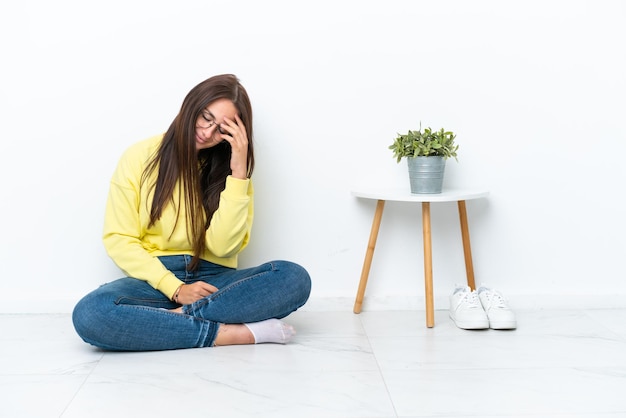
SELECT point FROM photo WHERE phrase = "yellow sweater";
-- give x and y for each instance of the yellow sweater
(134, 247)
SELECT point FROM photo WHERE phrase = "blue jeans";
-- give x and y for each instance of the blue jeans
(130, 315)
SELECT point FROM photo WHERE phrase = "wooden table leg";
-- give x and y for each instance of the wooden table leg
(467, 250)
(428, 265)
(368, 256)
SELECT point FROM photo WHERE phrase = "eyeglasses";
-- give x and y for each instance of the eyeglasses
(210, 122)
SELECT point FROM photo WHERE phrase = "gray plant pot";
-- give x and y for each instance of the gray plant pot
(426, 174)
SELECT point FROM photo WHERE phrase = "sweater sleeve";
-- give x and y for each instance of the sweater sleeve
(122, 229)
(229, 230)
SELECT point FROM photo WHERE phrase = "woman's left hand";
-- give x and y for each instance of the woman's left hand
(238, 139)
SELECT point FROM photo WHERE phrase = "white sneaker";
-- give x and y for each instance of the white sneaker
(498, 311)
(466, 310)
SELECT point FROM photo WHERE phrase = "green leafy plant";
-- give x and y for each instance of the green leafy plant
(424, 143)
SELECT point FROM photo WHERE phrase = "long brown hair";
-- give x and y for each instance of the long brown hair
(202, 174)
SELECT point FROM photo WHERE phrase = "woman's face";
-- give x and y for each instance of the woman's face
(208, 131)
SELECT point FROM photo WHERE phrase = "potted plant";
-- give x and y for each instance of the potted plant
(426, 153)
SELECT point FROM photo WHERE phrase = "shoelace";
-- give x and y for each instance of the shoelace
(495, 300)
(471, 298)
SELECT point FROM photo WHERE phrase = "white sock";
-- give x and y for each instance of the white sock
(271, 331)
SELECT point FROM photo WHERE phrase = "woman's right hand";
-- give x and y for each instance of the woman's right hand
(189, 293)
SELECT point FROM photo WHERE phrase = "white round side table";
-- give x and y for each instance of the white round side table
(452, 195)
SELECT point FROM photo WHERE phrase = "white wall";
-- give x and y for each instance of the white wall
(534, 90)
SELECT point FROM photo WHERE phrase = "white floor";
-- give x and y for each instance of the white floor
(376, 364)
